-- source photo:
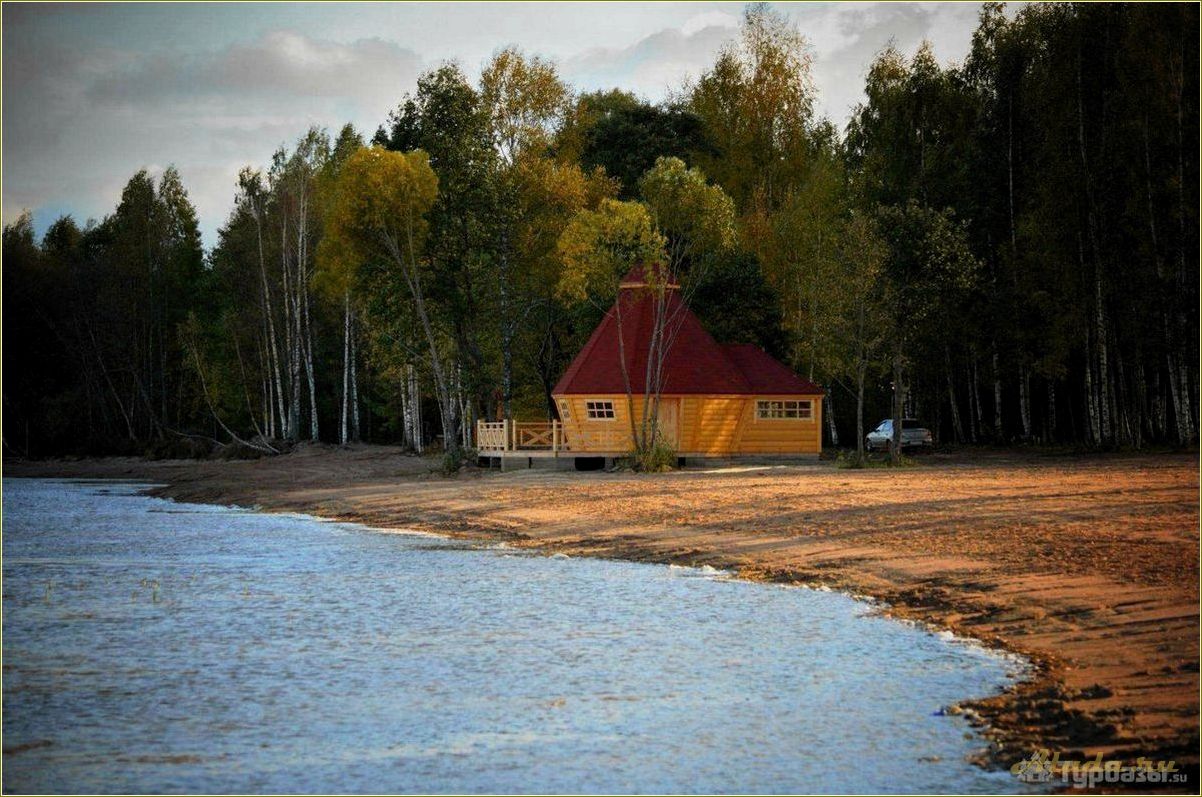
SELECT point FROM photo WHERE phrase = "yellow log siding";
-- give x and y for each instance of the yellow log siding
(711, 424)
(708, 426)
(781, 435)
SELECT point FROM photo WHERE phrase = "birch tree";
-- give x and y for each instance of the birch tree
(379, 213)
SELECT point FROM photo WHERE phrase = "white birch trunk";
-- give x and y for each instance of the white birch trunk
(1051, 419)
(302, 279)
(1106, 422)
(356, 434)
(830, 418)
(1093, 429)
(343, 420)
(997, 393)
(957, 426)
(1024, 400)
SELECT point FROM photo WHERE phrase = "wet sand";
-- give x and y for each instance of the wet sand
(1087, 565)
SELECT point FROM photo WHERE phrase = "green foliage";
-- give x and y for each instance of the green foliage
(453, 461)
(524, 100)
(928, 261)
(628, 139)
(694, 217)
(1011, 241)
(757, 104)
(659, 457)
(380, 205)
(736, 304)
(599, 246)
(852, 460)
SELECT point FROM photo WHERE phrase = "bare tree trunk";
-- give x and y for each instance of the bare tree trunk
(997, 393)
(1181, 409)
(265, 392)
(1094, 429)
(356, 435)
(1181, 376)
(1159, 413)
(1050, 420)
(1024, 400)
(294, 393)
(895, 447)
(1010, 171)
(125, 415)
(507, 330)
(861, 370)
(957, 427)
(1121, 401)
(302, 299)
(978, 426)
(1107, 429)
(830, 418)
(1142, 406)
(406, 426)
(442, 382)
(1104, 425)
(343, 420)
(462, 403)
(416, 437)
(273, 353)
(291, 318)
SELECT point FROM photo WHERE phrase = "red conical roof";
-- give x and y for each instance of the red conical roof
(695, 363)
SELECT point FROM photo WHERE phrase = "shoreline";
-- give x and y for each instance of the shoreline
(1136, 699)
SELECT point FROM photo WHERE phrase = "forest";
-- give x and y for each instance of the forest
(1006, 248)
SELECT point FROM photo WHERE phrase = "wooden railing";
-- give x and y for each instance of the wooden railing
(538, 436)
(492, 436)
(513, 436)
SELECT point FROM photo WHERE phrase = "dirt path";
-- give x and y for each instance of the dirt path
(1088, 565)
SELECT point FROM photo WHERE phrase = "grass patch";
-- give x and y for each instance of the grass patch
(849, 460)
(456, 460)
(659, 458)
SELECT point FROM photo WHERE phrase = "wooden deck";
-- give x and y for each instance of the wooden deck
(530, 439)
(521, 441)
(524, 442)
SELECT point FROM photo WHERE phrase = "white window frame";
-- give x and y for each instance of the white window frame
(784, 410)
(564, 406)
(600, 410)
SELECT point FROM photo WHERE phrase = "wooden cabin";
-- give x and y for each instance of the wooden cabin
(718, 400)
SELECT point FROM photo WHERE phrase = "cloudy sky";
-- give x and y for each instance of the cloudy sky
(93, 92)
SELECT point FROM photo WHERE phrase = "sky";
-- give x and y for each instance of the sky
(93, 92)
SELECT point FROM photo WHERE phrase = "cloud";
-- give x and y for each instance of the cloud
(652, 67)
(79, 121)
(843, 37)
(278, 63)
(710, 19)
(847, 36)
(94, 92)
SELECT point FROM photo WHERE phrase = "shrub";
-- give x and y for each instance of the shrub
(849, 460)
(658, 458)
(454, 460)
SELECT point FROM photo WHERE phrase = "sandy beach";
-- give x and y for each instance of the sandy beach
(1087, 565)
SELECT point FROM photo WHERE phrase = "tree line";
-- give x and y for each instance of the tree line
(1005, 248)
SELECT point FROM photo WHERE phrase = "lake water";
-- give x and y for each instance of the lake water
(159, 647)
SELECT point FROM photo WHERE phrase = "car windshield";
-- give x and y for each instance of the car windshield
(910, 423)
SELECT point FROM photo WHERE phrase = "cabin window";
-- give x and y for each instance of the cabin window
(773, 410)
(599, 410)
(563, 410)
